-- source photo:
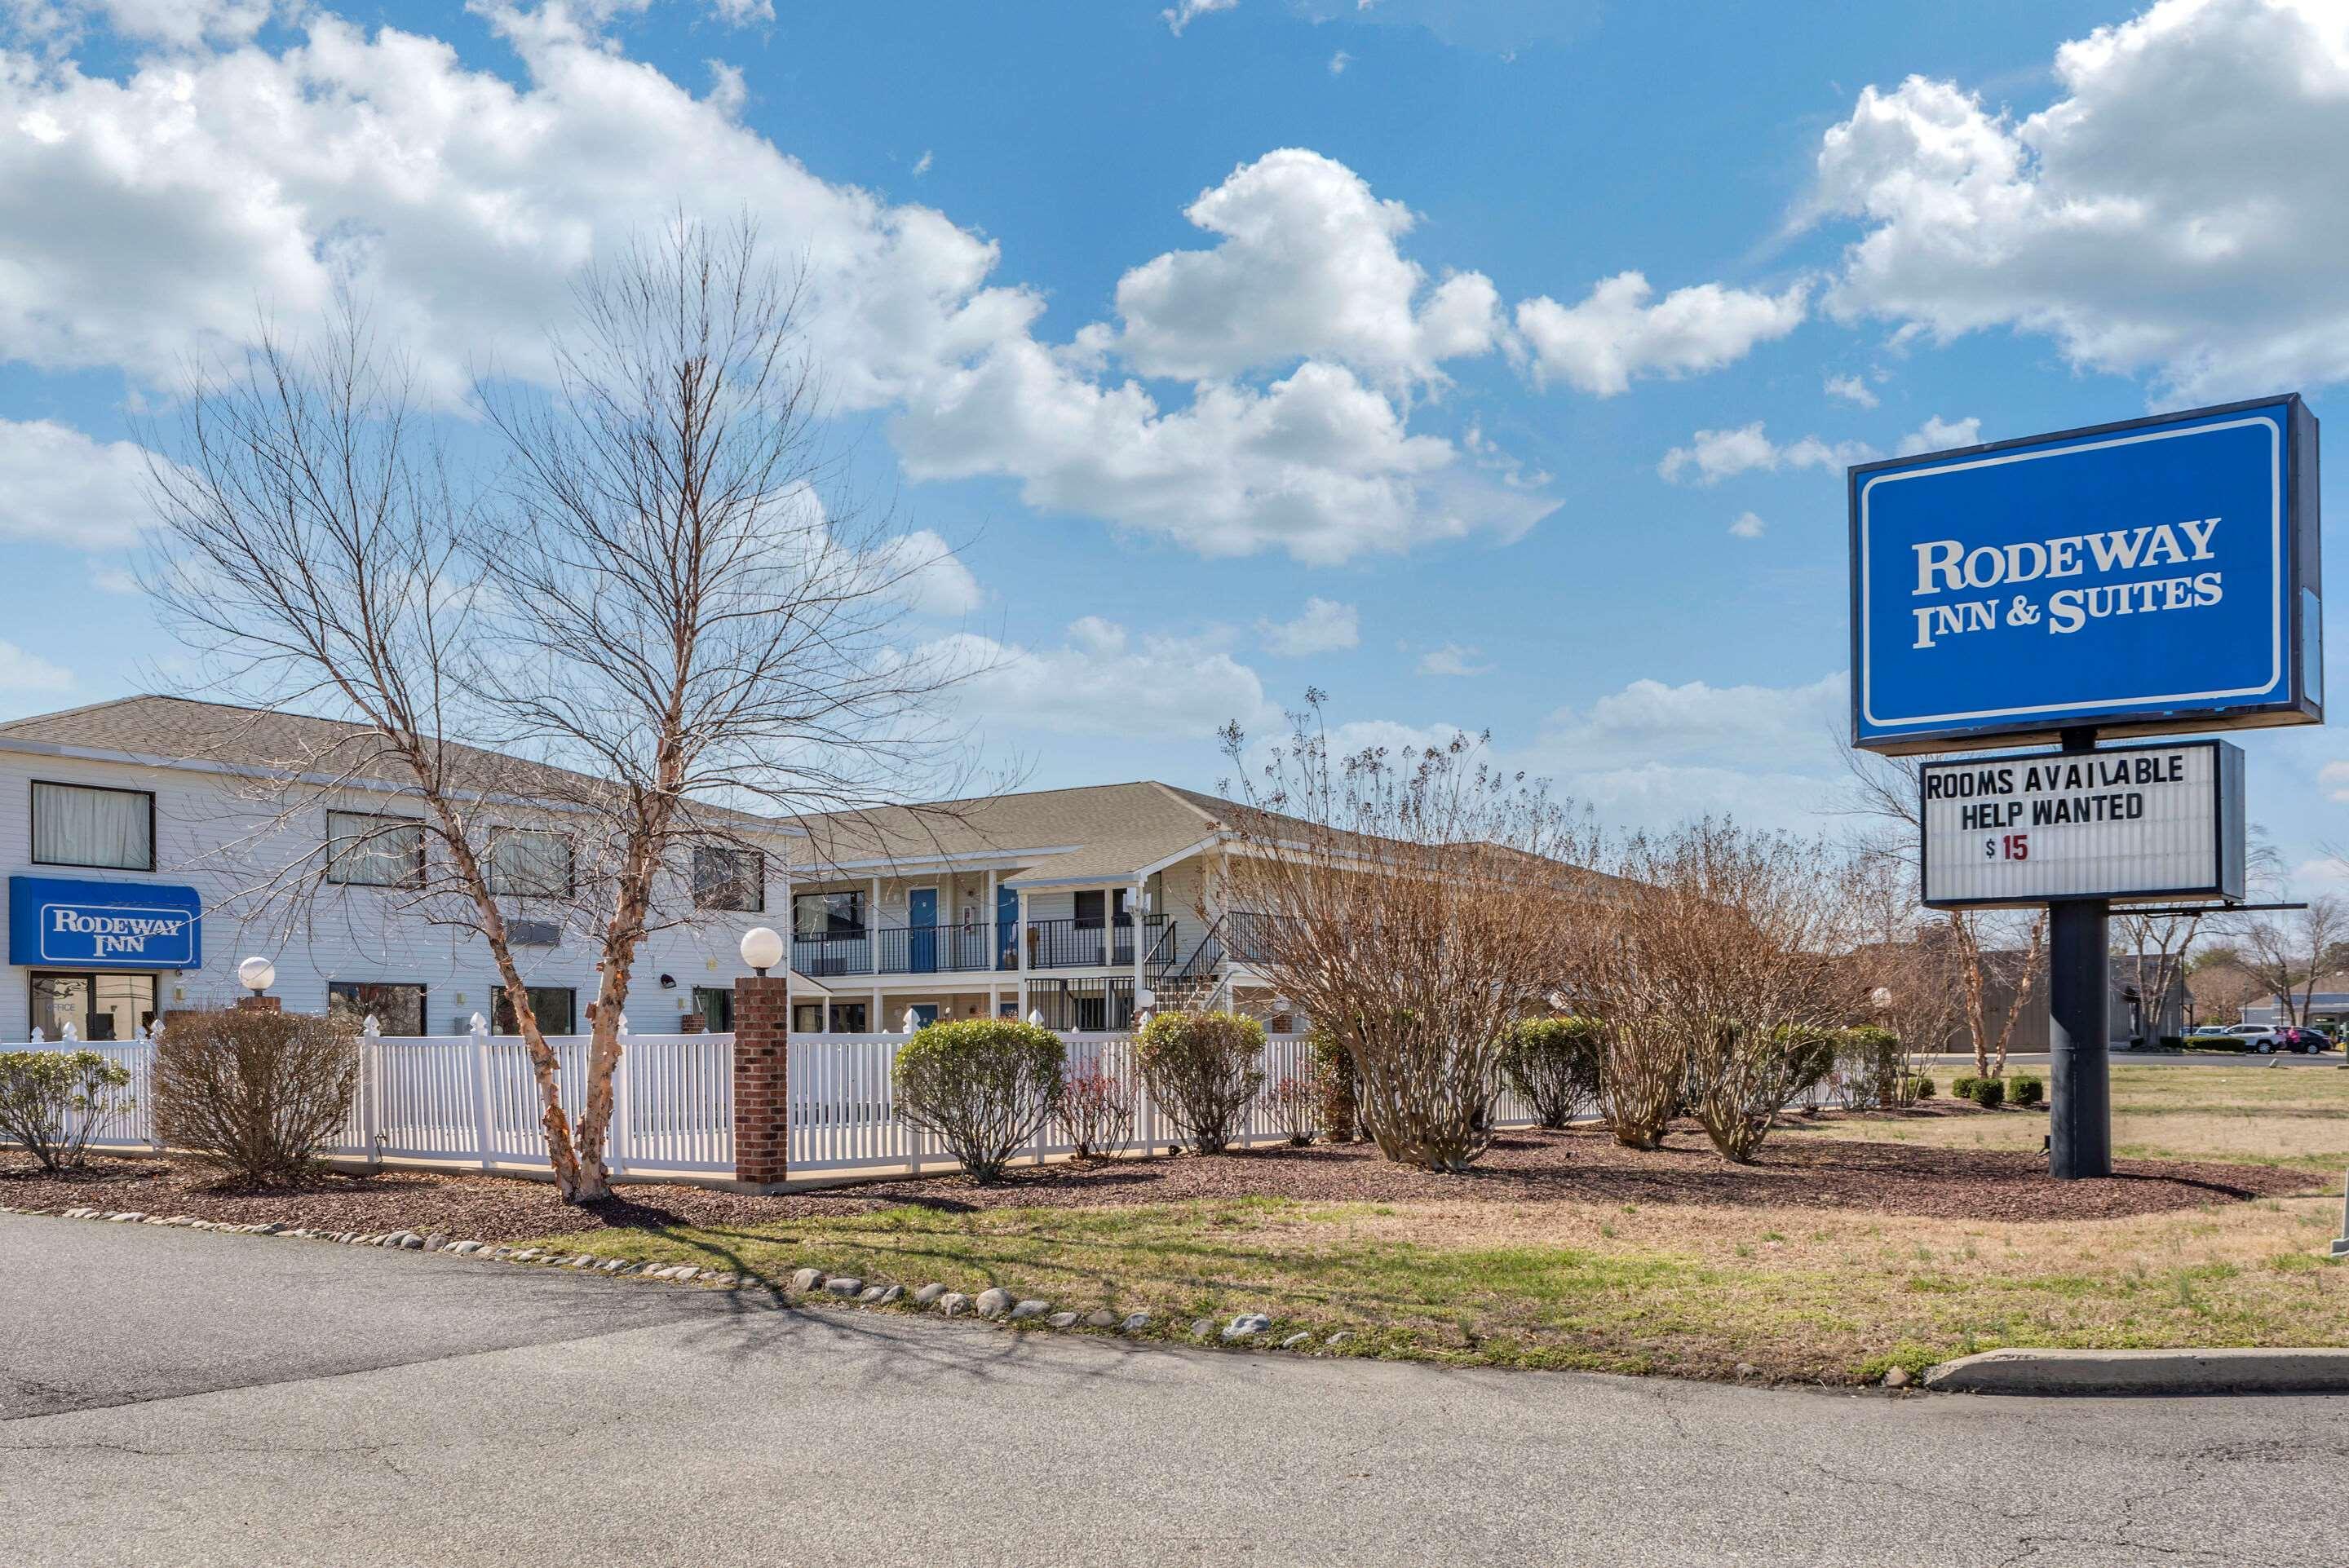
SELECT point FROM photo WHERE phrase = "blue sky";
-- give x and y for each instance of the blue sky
(1490, 365)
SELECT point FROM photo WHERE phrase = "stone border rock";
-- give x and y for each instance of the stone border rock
(807, 1286)
(2067, 1372)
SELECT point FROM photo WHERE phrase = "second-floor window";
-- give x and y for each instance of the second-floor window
(525, 863)
(828, 914)
(725, 878)
(84, 825)
(363, 849)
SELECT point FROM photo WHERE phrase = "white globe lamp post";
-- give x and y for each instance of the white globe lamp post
(256, 974)
(763, 949)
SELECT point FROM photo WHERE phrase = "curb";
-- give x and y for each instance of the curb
(2049, 1372)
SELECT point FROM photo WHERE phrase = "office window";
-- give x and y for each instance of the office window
(396, 1006)
(725, 878)
(828, 914)
(368, 851)
(524, 864)
(556, 1007)
(84, 825)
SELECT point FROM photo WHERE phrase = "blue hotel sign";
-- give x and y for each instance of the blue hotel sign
(56, 923)
(2137, 579)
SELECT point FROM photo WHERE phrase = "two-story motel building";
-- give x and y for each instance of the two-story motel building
(131, 836)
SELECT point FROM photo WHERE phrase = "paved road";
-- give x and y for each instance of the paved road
(194, 1399)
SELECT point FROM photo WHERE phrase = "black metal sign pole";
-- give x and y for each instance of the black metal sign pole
(2079, 943)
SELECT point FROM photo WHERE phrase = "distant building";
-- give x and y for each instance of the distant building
(2327, 1003)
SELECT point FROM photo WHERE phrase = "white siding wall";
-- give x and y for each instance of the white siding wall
(352, 934)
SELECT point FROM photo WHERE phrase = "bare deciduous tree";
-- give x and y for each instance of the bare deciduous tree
(1737, 945)
(1413, 903)
(2285, 950)
(657, 631)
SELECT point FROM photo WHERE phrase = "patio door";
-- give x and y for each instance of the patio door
(1007, 926)
(921, 932)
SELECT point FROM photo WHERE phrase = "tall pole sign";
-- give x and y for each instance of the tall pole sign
(2155, 577)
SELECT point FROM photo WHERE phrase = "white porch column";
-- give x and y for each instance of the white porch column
(1141, 929)
(1020, 943)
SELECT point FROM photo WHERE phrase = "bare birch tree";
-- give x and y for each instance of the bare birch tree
(656, 629)
(1413, 903)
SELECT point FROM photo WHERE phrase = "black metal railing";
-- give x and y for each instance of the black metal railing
(956, 949)
(1102, 1003)
(1079, 943)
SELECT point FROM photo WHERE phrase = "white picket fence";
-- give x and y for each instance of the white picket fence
(458, 1101)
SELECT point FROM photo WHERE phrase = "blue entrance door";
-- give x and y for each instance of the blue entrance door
(1007, 927)
(922, 922)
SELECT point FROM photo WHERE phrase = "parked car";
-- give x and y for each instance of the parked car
(2206, 1031)
(2257, 1037)
(2307, 1042)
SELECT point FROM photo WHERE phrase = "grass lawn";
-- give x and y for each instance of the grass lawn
(2296, 1117)
(1833, 1296)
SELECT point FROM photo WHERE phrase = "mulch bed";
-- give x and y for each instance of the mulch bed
(1582, 1166)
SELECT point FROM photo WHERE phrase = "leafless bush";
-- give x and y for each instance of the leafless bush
(1096, 1110)
(1203, 1070)
(1735, 948)
(1410, 903)
(1296, 1108)
(254, 1093)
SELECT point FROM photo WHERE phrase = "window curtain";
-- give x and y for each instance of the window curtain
(529, 864)
(79, 827)
(364, 851)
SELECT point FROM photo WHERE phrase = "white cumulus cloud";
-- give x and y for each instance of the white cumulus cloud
(1319, 626)
(1620, 332)
(2178, 211)
(1748, 526)
(1712, 456)
(1452, 659)
(1851, 389)
(1939, 435)
(1104, 681)
(1306, 265)
(62, 487)
(1185, 11)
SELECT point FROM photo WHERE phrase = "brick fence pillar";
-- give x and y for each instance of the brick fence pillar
(763, 1118)
(260, 1004)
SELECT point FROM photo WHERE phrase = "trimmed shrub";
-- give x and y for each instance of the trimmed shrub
(1333, 1080)
(1962, 1086)
(1989, 1093)
(1296, 1109)
(982, 1087)
(1203, 1070)
(257, 1094)
(1919, 1085)
(1869, 1058)
(1553, 1063)
(2025, 1089)
(53, 1102)
(1097, 1110)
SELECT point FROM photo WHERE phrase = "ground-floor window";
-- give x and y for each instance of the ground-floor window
(848, 1018)
(557, 1007)
(396, 1006)
(99, 1006)
(715, 1005)
(807, 1018)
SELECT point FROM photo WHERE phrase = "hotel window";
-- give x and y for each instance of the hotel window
(368, 851)
(727, 878)
(828, 914)
(528, 864)
(84, 825)
(397, 1008)
(557, 1007)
